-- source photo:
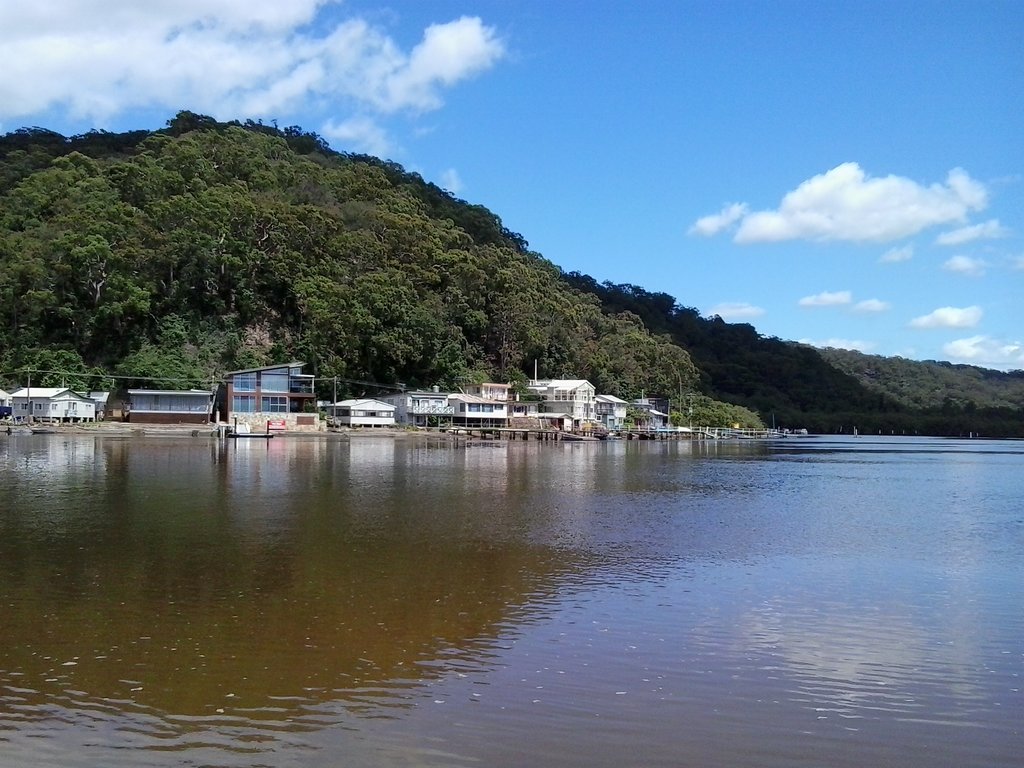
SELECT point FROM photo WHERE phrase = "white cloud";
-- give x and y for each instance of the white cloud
(965, 265)
(949, 317)
(846, 204)
(871, 305)
(1017, 262)
(986, 351)
(359, 134)
(732, 311)
(988, 230)
(451, 181)
(855, 344)
(827, 299)
(894, 255)
(715, 223)
(227, 58)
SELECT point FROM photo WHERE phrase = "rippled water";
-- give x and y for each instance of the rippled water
(310, 602)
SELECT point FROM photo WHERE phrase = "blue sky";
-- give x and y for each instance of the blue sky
(846, 174)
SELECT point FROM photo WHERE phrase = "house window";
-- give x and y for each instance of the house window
(274, 381)
(243, 404)
(244, 382)
(274, 404)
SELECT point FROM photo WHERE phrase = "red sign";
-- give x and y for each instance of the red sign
(277, 425)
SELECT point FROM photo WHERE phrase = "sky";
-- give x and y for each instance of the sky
(841, 174)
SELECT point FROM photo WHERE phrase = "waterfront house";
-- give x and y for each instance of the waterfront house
(5, 404)
(365, 412)
(280, 393)
(168, 406)
(573, 398)
(611, 411)
(421, 408)
(475, 411)
(656, 419)
(52, 404)
(489, 391)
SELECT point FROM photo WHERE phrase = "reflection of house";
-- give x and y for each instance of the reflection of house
(53, 404)
(278, 392)
(421, 409)
(362, 413)
(159, 406)
(610, 410)
(570, 397)
(475, 411)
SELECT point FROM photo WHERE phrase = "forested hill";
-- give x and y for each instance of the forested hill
(172, 256)
(207, 247)
(825, 390)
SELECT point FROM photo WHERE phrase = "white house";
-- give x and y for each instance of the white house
(5, 404)
(475, 411)
(362, 413)
(570, 397)
(52, 404)
(611, 411)
(421, 409)
(489, 391)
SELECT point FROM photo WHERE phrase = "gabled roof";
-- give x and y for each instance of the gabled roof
(566, 384)
(363, 402)
(611, 399)
(47, 393)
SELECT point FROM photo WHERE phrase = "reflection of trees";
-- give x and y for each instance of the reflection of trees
(190, 577)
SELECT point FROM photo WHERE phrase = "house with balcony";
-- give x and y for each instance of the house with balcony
(52, 404)
(479, 412)
(421, 408)
(365, 412)
(611, 411)
(489, 391)
(280, 393)
(168, 406)
(572, 398)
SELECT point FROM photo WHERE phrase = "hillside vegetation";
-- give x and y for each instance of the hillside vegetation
(172, 256)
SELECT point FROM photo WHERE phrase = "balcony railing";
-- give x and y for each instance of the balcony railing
(432, 409)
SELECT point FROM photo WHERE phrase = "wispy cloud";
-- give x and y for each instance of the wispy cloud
(451, 181)
(894, 255)
(732, 311)
(1017, 262)
(869, 306)
(827, 299)
(857, 345)
(949, 317)
(846, 204)
(986, 351)
(229, 58)
(965, 265)
(717, 222)
(360, 134)
(987, 230)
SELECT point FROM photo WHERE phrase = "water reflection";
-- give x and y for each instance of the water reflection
(322, 602)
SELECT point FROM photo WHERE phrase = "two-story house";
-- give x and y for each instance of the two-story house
(569, 397)
(421, 408)
(280, 393)
(611, 411)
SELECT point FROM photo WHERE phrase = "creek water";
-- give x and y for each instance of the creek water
(377, 601)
